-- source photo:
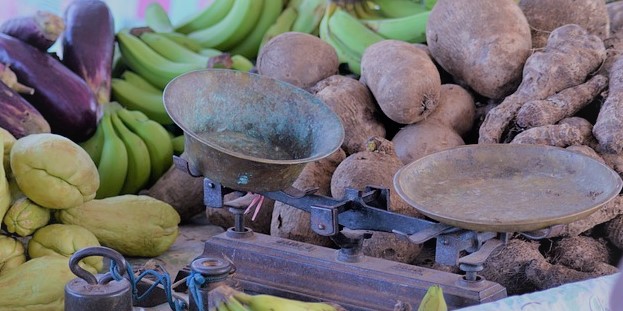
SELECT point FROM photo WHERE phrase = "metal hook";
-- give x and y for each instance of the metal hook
(95, 251)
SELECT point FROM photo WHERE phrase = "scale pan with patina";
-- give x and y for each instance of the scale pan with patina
(250, 132)
(506, 187)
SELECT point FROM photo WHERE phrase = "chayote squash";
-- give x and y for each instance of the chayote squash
(5, 191)
(7, 141)
(36, 285)
(11, 253)
(133, 225)
(65, 240)
(53, 171)
(24, 217)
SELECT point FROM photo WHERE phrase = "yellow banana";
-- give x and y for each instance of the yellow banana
(210, 52)
(183, 40)
(283, 24)
(157, 18)
(250, 45)
(155, 137)
(241, 63)
(310, 13)
(172, 50)
(410, 28)
(433, 300)
(93, 146)
(139, 82)
(228, 32)
(148, 63)
(113, 164)
(208, 17)
(222, 307)
(139, 165)
(274, 303)
(234, 305)
(136, 98)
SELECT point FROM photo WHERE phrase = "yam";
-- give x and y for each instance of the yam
(587, 151)
(181, 190)
(482, 44)
(570, 55)
(507, 265)
(403, 79)
(456, 108)
(353, 103)
(584, 127)
(423, 138)
(297, 58)
(614, 231)
(545, 275)
(582, 253)
(561, 105)
(547, 15)
(604, 214)
(608, 128)
(292, 223)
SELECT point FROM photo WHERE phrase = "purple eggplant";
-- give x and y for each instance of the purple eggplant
(88, 44)
(18, 116)
(40, 30)
(61, 96)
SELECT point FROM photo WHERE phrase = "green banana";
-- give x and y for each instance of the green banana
(157, 18)
(148, 63)
(171, 50)
(399, 8)
(366, 10)
(345, 55)
(250, 45)
(183, 40)
(349, 30)
(310, 13)
(210, 52)
(410, 28)
(429, 4)
(155, 137)
(113, 164)
(139, 164)
(228, 32)
(241, 63)
(178, 144)
(433, 300)
(282, 24)
(273, 303)
(93, 146)
(139, 82)
(208, 17)
(135, 98)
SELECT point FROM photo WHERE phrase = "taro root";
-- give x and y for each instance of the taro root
(403, 79)
(456, 108)
(353, 103)
(417, 140)
(507, 265)
(481, 44)
(376, 166)
(547, 15)
(297, 58)
(582, 253)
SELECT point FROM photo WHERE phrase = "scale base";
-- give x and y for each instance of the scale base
(281, 267)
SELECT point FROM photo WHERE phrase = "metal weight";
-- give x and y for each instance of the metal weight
(216, 272)
(100, 292)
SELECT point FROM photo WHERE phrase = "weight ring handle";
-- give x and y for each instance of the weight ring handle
(94, 251)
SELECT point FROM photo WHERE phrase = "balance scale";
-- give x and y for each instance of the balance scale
(250, 133)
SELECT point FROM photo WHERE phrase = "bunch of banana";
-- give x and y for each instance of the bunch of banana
(299, 16)
(130, 151)
(225, 298)
(135, 93)
(233, 26)
(160, 57)
(350, 26)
